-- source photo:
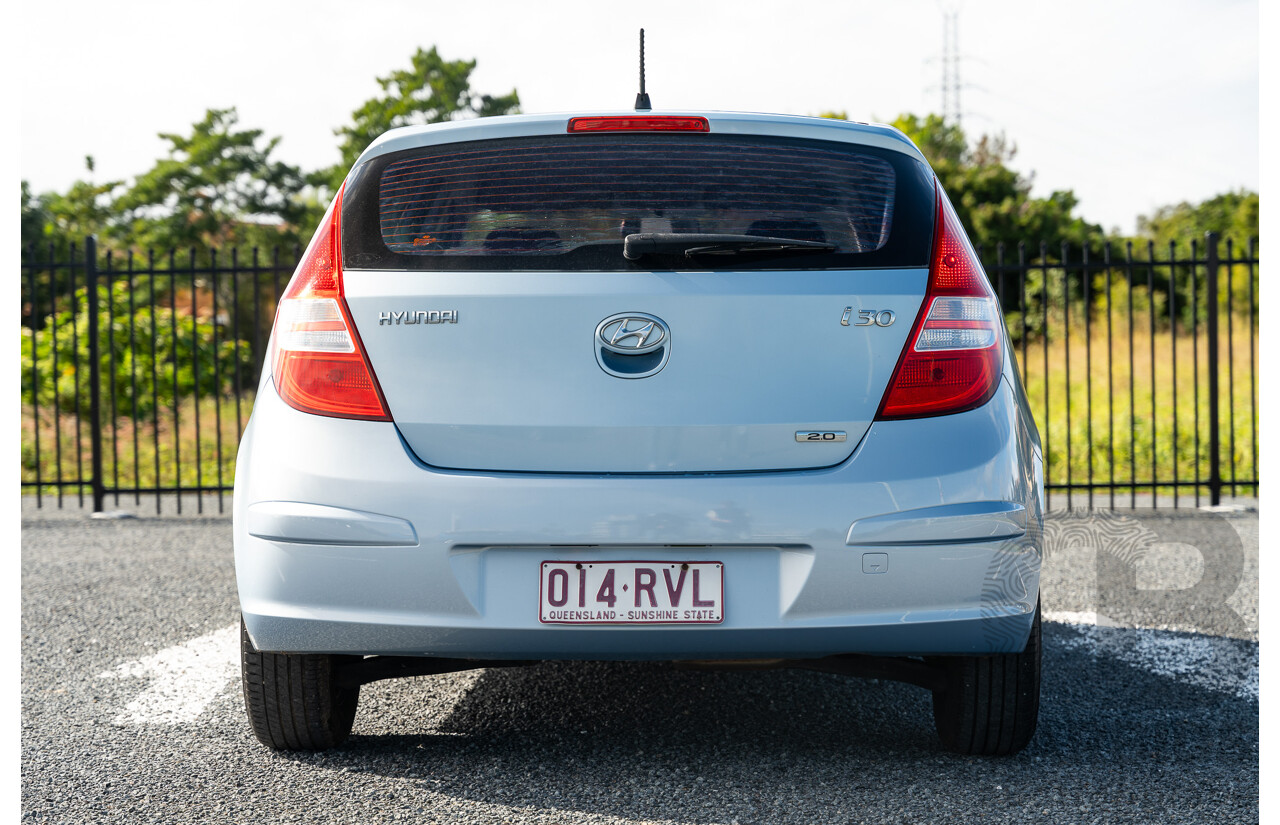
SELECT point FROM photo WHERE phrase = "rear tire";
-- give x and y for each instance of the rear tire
(292, 699)
(988, 705)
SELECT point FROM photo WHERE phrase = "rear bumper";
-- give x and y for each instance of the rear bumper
(345, 543)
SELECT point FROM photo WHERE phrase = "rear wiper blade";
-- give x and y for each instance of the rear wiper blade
(639, 244)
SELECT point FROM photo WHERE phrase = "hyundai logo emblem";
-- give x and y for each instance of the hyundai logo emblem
(632, 344)
(631, 333)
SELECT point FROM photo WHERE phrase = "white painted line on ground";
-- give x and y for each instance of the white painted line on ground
(1220, 664)
(1087, 617)
(185, 679)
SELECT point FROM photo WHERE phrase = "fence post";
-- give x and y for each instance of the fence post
(1211, 297)
(95, 379)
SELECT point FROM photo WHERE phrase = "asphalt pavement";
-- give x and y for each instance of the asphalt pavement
(131, 710)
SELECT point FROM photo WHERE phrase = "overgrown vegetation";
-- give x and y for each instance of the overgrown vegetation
(145, 454)
(147, 357)
(1098, 428)
(221, 186)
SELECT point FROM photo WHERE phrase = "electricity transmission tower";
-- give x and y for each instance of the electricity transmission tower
(950, 86)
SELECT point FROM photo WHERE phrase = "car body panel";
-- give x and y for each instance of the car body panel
(793, 584)
(753, 358)
(734, 123)
(424, 535)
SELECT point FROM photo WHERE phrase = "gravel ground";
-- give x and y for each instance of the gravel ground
(1120, 739)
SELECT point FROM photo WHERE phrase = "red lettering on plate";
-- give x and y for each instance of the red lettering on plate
(674, 592)
(646, 586)
(606, 592)
(564, 588)
(697, 602)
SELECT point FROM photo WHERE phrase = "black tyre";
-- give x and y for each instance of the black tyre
(988, 705)
(292, 699)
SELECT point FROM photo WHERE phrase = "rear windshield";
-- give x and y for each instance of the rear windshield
(568, 202)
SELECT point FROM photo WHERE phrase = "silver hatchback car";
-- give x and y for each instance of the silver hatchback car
(720, 389)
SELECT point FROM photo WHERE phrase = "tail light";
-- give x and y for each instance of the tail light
(953, 355)
(318, 363)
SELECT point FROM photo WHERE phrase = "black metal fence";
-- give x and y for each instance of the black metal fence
(139, 370)
(1140, 365)
(1145, 308)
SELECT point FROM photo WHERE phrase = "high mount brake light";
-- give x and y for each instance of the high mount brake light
(318, 363)
(639, 123)
(952, 359)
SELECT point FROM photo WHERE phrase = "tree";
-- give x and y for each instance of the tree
(1232, 215)
(59, 220)
(84, 209)
(432, 90)
(218, 187)
(35, 217)
(993, 200)
(994, 203)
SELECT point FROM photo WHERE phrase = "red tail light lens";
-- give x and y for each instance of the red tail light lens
(639, 123)
(318, 363)
(953, 356)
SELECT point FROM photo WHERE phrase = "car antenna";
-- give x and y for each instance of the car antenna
(642, 99)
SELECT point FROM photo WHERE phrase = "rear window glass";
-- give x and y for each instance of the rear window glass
(570, 201)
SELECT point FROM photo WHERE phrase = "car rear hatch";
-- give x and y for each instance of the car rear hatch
(508, 330)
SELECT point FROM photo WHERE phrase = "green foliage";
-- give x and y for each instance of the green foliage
(53, 225)
(432, 90)
(1171, 230)
(218, 187)
(943, 144)
(187, 357)
(34, 217)
(993, 200)
(171, 451)
(1054, 304)
(1232, 215)
(86, 208)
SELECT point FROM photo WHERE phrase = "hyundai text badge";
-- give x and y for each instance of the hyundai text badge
(632, 344)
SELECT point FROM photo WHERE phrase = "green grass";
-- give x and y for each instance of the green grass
(1139, 423)
(176, 449)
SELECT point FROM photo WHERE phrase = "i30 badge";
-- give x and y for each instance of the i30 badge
(632, 344)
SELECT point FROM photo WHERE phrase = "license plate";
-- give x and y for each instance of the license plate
(631, 592)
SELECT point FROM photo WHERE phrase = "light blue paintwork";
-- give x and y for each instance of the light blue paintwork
(953, 502)
(754, 357)
(971, 521)
(723, 123)
(793, 585)
(296, 521)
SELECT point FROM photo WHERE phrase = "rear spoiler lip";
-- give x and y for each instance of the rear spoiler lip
(731, 123)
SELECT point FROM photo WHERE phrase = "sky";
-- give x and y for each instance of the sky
(1132, 105)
